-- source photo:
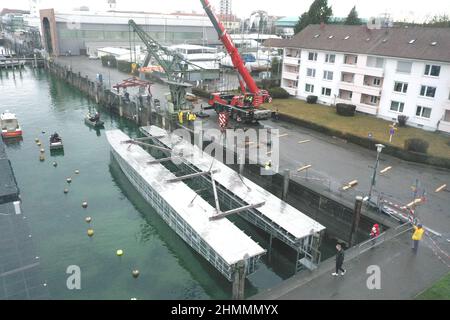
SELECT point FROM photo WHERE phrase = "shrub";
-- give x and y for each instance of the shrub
(346, 110)
(311, 99)
(199, 92)
(402, 120)
(268, 83)
(416, 145)
(111, 59)
(278, 93)
(124, 66)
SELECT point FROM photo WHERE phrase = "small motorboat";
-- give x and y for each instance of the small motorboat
(94, 120)
(56, 142)
(10, 125)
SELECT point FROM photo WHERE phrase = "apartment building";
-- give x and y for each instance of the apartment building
(384, 72)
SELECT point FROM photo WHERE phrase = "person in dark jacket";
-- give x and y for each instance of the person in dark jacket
(339, 261)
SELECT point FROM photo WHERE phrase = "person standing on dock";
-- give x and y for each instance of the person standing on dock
(339, 261)
(417, 236)
(374, 233)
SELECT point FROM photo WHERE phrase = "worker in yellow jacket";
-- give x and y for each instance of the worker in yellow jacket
(417, 236)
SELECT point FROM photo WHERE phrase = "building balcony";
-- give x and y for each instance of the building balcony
(367, 108)
(444, 126)
(293, 61)
(346, 100)
(363, 89)
(290, 75)
(368, 71)
(291, 91)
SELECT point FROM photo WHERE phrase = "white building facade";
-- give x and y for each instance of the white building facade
(384, 86)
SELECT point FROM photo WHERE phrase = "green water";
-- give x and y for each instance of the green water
(169, 269)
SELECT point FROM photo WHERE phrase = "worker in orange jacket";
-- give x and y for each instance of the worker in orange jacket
(417, 236)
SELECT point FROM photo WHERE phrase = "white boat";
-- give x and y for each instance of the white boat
(56, 142)
(10, 125)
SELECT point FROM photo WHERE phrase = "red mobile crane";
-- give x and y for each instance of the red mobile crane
(246, 106)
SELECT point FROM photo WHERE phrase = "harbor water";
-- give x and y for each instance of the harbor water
(121, 219)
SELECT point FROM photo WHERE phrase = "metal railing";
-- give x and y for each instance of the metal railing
(371, 243)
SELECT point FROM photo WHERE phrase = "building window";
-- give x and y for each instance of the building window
(447, 116)
(404, 66)
(312, 56)
(309, 88)
(326, 91)
(310, 72)
(375, 62)
(401, 87)
(376, 82)
(432, 70)
(330, 58)
(427, 91)
(423, 112)
(397, 106)
(328, 75)
(350, 59)
(373, 99)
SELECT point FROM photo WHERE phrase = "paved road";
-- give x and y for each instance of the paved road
(336, 162)
(403, 275)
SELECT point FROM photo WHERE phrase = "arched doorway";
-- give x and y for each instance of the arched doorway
(47, 36)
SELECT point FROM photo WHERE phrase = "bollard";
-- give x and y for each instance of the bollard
(286, 178)
(239, 281)
(356, 218)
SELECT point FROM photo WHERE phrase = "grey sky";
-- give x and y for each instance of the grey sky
(411, 10)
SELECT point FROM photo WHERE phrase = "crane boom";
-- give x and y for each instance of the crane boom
(236, 58)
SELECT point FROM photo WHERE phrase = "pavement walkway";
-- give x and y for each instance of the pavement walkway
(403, 275)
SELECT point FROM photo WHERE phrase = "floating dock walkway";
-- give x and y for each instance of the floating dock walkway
(219, 241)
(255, 204)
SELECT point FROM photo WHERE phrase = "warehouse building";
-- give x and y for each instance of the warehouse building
(83, 32)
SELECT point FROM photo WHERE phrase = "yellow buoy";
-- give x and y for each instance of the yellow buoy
(36, 140)
(88, 219)
(41, 157)
(39, 144)
(84, 205)
(42, 150)
(69, 180)
(90, 232)
(135, 273)
(119, 253)
(66, 191)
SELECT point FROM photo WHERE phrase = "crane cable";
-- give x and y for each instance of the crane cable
(209, 170)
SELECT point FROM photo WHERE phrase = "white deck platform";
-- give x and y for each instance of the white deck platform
(228, 241)
(279, 212)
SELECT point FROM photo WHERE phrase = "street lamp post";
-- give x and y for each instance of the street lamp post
(109, 75)
(374, 176)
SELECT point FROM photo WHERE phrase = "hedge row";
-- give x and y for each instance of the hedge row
(370, 143)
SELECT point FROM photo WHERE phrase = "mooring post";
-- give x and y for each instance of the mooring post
(356, 218)
(286, 178)
(239, 281)
(241, 168)
(270, 248)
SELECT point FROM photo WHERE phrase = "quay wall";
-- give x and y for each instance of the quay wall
(110, 100)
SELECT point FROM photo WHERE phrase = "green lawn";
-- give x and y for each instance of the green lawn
(439, 291)
(361, 125)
